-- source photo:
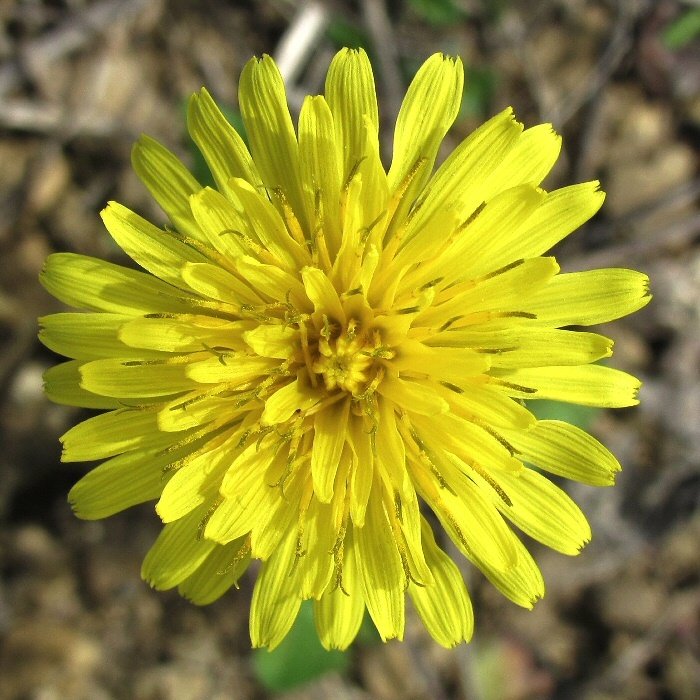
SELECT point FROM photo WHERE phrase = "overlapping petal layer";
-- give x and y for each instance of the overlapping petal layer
(324, 359)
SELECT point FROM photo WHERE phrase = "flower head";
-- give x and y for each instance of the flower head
(323, 359)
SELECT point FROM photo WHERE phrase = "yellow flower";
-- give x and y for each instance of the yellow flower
(327, 359)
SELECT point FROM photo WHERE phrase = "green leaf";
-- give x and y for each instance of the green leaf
(437, 12)
(346, 35)
(683, 30)
(575, 414)
(299, 658)
(479, 88)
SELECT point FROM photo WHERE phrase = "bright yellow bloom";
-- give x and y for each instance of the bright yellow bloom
(326, 359)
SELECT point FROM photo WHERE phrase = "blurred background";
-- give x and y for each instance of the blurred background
(620, 79)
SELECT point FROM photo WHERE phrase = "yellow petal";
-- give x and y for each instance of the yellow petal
(110, 434)
(196, 481)
(562, 212)
(421, 129)
(590, 385)
(389, 445)
(268, 227)
(536, 347)
(263, 104)
(295, 396)
(86, 336)
(62, 385)
(471, 253)
(529, 161)
(177, 553)
(329, 439)
(486, 404)
(412, 396)
(448, 364)
(444, 607)
(352, 98)
(363, 469)
(119, 483)
(323, 295)
(586, 298)
(96, 285)
(220, 222)
(169, 181)
(565, 450)
(233, 369)
(543, 511)
(221, 145)
(379, 568)
(222, 568)
(521, 583)
(273, 341)
(179, 333)
(216, 283)
(321, 167)
(243, 489)
(276, 600)
(458, 182)
(338, 613)
(136, 379)
(157, 251)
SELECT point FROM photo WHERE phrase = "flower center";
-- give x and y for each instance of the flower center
(345, 361)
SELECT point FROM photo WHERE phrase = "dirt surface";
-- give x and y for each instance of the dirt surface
(81, 79)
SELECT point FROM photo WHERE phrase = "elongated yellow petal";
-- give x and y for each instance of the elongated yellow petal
(419, 131)
(273, 341)
(379, 569)
(413, 396)
(565, 450)
(444, 606)
(219, 284)
(457, 183)
(96, 285)
(220, 144)
(177, 553)
(562, 212)
(276, 601)
(169, 181)
(136, 379)
(180, 333)
(295, 396)
(119, 483)
(195, 482)
(529, 161)
(522, 583)
(352, 99)
(596, 296)
(329, 440)
(155, 250)
(543, 511)
(222, 569)
(62, 385)
(446, 364)
(536, 347)
(338, 613)
(321, 174)
(589, 385)
(223, 226)
(263, 103)
(110, 434)
(268, 226)
(86, 336)
(486, 404)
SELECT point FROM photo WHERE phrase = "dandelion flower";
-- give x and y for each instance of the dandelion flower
(324, 360)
